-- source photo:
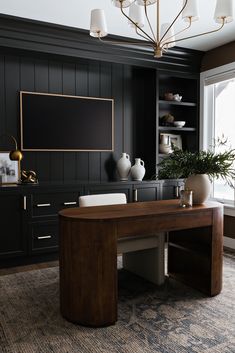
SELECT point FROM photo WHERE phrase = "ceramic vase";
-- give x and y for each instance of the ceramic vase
(138, 170)
(201, 187)
(124, 167)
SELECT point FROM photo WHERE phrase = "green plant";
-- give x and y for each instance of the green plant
(181, 164)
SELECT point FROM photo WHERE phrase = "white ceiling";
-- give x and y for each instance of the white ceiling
(76, 13)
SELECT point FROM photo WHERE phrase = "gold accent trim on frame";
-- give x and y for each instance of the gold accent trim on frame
(62, 150)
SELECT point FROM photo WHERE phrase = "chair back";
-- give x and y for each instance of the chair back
(102, 199)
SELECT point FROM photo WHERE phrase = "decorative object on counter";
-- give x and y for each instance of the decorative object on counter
(177, 97)
(28, 177)
(168, 96)
(167, 120)
(179, 123)
(9, 169)
(200, 168)
(138, 170)
(186, 198)
(124, 166)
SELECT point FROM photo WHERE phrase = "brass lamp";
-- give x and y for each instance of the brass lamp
(16, 154)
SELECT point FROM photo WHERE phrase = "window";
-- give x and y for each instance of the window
(218, 121)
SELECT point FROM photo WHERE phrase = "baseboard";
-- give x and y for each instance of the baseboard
(229, 243)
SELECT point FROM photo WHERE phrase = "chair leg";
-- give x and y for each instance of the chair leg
(148, 263)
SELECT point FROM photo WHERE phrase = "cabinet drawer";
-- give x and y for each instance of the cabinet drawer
(50, 204)
(44, 236)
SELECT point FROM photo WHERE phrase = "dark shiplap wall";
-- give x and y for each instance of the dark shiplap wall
(78, 77)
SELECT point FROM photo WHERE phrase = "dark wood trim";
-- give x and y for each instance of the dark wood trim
(47, 38)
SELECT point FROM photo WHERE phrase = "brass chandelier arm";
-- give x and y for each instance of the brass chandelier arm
(197, 35)
(182, 30)
(141, 35)
(129, 19)
(150, 26)
(176, 18)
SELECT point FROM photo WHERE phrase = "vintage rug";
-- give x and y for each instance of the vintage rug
(172, 319)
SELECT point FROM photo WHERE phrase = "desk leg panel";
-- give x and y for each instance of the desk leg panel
(217, 251)
(88, 272)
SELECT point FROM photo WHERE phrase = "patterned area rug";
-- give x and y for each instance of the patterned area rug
(171, 319)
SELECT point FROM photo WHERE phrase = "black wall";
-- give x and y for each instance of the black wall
(41, 57)
(78, 77)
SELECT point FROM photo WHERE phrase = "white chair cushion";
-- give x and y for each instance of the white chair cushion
(102, 199)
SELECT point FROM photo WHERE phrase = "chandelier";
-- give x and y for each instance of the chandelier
(164, 37)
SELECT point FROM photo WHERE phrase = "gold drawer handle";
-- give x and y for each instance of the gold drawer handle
(43, 205)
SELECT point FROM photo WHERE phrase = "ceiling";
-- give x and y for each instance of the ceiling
(76, 13)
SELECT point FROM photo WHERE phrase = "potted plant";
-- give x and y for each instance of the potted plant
(199, 169)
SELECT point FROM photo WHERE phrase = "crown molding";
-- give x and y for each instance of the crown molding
(46, 38)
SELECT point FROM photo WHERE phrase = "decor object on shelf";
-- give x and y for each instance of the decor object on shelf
(28, 177)
(179, 123)
(14, 155)
(175, 141)
(177, 97)
(167, 119)
(164, 37)
(138, 170)
(208, 164)
(9, 169)
(124, 166)
(168, 96)
(165, 145)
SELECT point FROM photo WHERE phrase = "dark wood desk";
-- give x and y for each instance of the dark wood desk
(88, 252)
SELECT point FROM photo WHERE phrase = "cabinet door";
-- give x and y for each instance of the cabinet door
(44, 237)
(146, 192)
(12, 238)
(171, 189)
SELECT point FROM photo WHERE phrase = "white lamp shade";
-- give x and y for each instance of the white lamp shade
(190, 11)
(170, 36)
(136, 13)
(125, 3)
(149, 2)
(98, 26)
(224, 8)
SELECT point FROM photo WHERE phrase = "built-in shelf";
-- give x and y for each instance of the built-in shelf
(189, 104)
(174, 128)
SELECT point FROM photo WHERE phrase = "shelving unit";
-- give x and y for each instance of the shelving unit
(187, 86)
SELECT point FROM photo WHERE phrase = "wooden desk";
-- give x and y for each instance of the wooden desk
(88, 252)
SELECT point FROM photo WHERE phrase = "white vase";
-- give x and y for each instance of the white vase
(138, 170)
(124, 167)
(201, 187)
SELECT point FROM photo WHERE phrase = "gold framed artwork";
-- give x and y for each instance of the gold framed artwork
(9, 170)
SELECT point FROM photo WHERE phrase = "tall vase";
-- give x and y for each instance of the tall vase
(138, 170)
(124, 167)
(201, 187)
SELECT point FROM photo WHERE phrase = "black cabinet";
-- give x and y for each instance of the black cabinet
(29, 221)
(13, 242)
(171, 189)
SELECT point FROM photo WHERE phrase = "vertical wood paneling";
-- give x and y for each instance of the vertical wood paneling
(56, 86)
(2, 99)
(27, 83)
(12, 87)
(94, 91)
(69, 84)
(82, 158)
(41, 85)
(84, 78)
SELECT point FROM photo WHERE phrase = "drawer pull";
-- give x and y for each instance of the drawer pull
(44, 237)
(70, 203)
(25, 203)
(43, 205)
(135, 195)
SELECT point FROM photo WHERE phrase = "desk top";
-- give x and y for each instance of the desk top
(132, 210)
